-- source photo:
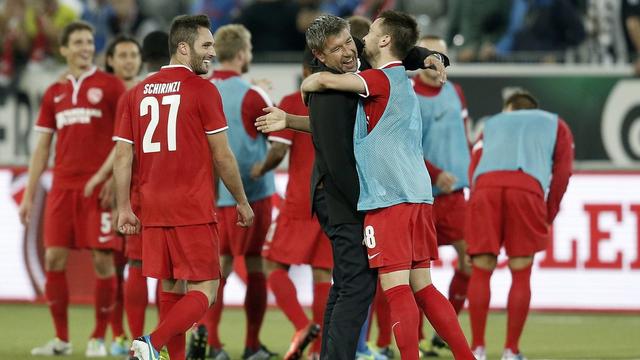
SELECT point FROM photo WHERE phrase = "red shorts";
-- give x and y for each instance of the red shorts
(449, 212)
(77, 222)
(400, 237)
(298, 241)
(513, 218)
(238, 241)
(182, 252)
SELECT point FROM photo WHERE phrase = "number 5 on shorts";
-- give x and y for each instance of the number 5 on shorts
(369, 237)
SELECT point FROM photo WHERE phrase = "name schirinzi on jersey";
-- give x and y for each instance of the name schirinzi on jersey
(76, 116)
(163, 88)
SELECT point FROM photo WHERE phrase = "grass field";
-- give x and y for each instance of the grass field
(546, 336)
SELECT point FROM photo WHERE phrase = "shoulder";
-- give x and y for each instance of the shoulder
(257, 95)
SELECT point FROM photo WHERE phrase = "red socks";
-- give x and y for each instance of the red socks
(175, 345)
(136, 300)
(517, 306)
(213, 315)
(458, 290)
(479, 295)
(57, 295)
(286, 298)
(404, 319)
(177, 319)
(105, 297)
(255, 306)
(117, 326)
(383, 318)
(440, 314)
(320, 295)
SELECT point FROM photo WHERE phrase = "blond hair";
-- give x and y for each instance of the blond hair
(231, 40)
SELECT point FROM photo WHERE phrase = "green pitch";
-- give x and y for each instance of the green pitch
(546, 336)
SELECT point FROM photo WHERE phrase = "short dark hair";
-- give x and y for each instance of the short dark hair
(184, 28)
(72, 27)
(521, 100)
(155, 47)
(403, 30)
(359, 26)
(322, 28)
(111, 49)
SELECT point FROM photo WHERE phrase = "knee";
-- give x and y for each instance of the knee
(485, 261)
(321, 275)
(55, 260)
(103, 263)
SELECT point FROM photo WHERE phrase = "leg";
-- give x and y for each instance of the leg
(460, 281)
(403, 310)
(519, 299)
(383, 319)
(351, 295)
(135, 298)
(321, 286)
(285, 293)
(255, 302)
(214, 314)
(56, 290)
(117, 326)
(439, 312)
(479, 296)
(105, 292)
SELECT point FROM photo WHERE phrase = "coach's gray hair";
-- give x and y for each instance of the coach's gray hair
(323, 27)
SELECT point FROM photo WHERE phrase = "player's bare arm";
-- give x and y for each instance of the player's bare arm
(325, 81)
(103, 174)
(226, 167)
(445, 181)
(37, 166)
(276, 120)
(128, 223)
(276, 153)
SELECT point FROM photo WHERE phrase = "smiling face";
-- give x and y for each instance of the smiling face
(339, 52)
(126, 60)
(372, 40)
(202, 51)
(79, 50)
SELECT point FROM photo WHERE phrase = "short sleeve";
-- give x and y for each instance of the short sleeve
(210, 106)
(46, 118)
(124, 123)
(119, 113)
(376, 83)
(254, 101)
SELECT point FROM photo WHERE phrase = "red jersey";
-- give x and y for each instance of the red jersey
(167, 117)
(254, 101)
(378, 90)
(81, 111)
(297, 203)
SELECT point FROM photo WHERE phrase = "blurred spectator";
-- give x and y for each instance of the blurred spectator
(431, 15)
(44, 20)
(359, 26)
(15, 44)
(273, 25)
(550, 28)
(163, 11)
(631, 20)
(220, 12)
(371, 8)
(476, 26)
(340, 8)
(98, 13)
(127, 18)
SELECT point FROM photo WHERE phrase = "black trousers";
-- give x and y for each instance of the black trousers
(353, 289)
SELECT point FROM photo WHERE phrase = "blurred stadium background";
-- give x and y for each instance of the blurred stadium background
(579, 57)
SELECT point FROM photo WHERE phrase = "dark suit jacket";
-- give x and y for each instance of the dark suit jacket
(332, 115)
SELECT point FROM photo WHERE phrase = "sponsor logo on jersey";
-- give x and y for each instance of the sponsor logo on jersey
(76, 116)
(57, 99)
(94, 95)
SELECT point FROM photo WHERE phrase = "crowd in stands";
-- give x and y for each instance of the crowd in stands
(575, 31)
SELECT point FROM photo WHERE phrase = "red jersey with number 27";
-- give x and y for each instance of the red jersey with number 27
(167, 118)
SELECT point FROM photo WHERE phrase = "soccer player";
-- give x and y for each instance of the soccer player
(524, 155)
(175, 123)
(446, 151)
(242, 104)
(395, 189)
(80, 111)
(298, 238)
(123, 59)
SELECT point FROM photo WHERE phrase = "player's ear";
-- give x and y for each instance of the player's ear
(318, 54)
(183, 48)
(385, 40)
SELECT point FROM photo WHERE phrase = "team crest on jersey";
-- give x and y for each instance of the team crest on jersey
(94, 95)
